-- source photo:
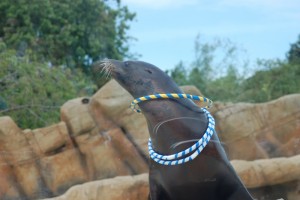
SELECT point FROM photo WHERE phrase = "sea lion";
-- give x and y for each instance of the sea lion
(174, 125)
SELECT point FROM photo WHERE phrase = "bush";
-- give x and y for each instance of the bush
(32, 92)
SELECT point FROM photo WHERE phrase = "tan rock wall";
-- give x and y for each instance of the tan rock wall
(274, 126)
(21, 175)
(101, 137)
(125, 188)
(47, 161)
(265, 172)
(254, 174)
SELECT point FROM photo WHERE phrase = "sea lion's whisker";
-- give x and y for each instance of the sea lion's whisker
(102, 69)
(109, 69)
(155, 129)
(106, 69)
(182, 142)
(193, 140)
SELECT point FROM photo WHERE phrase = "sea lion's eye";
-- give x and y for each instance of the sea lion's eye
(149, 71)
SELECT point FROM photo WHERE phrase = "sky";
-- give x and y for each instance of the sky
(166, 29)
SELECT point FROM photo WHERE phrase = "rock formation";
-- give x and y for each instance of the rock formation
(273, 125)
(263, 172)
(254, 174)
(122, 187)
(100, 138)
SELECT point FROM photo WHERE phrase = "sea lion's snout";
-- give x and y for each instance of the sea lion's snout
(100, 66)
(137, 77)
(110, 67)
(106, 67)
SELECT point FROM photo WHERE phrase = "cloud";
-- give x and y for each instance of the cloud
(165, 34)
(280, 4)
(271, 4)
(159, 4)
(279, 10)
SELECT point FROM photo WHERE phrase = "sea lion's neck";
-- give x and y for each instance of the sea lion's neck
(171, 122)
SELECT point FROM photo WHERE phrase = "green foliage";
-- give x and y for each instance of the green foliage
(293, 55)
(220, 73)
(179, 74)
(214, 70)
(46, 45)
(279, 78)
(226, 87)
(32, 92)
(66, 32)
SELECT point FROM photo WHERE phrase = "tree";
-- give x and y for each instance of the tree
(278, 78)
(293, 54)
(179, 74)
(227, 87)
(32, 92)
(66, 32)
(222, 74)
(216, 70)
(201, 67)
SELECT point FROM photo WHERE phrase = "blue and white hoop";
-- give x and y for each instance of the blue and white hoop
(189, 153)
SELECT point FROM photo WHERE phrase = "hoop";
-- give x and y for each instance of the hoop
(191, 152)
(184, 156)
(169, 96)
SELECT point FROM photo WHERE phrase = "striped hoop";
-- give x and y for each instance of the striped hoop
(170, 96)
(182, 157)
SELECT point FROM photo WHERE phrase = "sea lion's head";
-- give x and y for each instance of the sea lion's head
(169, 117)
(137, 77)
